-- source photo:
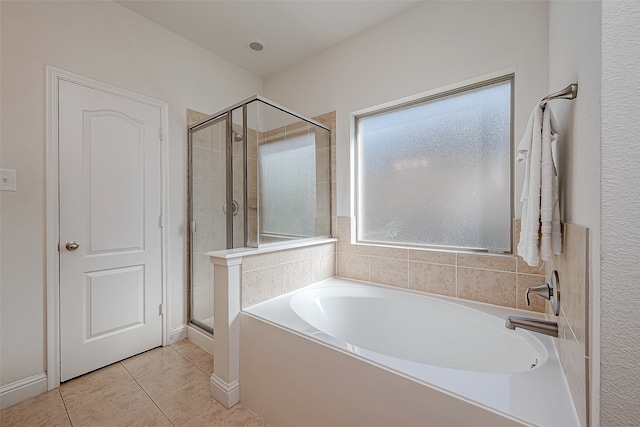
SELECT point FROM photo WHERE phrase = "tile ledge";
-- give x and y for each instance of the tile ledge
(242, 252)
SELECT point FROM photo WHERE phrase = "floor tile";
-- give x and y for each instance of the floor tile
(238, 416)
(91, 385)
(162, 382)
(152, 360)
(148, 416)
(188, 402)
(195, 355)
(163, 387)
(202, 360)
(33, 411)
(109, 406)
(61, 419)
(184, 346)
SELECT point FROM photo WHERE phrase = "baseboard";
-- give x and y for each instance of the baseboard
(201, 339)
(178, 334)
(22, 390)
(226, 394)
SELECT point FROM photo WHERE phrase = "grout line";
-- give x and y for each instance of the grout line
(517, 292)
(101, 393)
(489, 269)
(531, 274)
(66, 410)
(151, 398)
(125, 368)
(456, 272)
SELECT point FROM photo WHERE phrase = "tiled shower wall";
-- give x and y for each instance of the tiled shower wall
(493, 279)
(271, 274)
(329, 120)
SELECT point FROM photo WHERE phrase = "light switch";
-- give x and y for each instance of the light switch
(8, 180)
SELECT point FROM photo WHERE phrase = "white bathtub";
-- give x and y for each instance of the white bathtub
(351, 353)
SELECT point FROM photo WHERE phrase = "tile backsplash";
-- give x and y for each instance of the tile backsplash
(494, 279)
(271, 274)
(573, 322)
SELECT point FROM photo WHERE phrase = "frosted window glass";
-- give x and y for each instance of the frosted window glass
(438, 173)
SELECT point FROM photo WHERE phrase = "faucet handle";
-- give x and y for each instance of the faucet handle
(544, 291)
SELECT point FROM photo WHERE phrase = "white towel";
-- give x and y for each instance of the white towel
(550, 231)
(540, 233)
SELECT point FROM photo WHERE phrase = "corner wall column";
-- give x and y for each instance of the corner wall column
(225, 380)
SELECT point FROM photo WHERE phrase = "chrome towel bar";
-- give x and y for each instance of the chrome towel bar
(569, 92)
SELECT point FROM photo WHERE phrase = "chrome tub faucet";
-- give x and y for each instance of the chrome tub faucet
(548, 291)
(542, 326)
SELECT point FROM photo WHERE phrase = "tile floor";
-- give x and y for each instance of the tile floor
(163, 387)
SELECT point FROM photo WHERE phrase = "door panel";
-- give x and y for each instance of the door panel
(115, 300)
(114, 160)
(110, 204)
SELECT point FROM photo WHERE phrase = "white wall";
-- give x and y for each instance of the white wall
(620, 279)
(574, 56)
(432, 45)
(104, 41)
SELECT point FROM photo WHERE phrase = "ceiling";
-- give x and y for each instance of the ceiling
(290, 30)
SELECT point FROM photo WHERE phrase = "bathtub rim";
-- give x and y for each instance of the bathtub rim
(550, 370)
(298, 299)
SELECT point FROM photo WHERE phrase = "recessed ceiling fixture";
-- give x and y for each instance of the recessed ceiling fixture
(257, 45)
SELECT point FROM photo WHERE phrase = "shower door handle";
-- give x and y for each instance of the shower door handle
(234, 208)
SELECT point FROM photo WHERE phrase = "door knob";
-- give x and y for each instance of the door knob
(72, 246)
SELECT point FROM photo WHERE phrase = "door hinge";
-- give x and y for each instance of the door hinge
(160, 310)
(161, 134)
(160, 221)
(193, 226)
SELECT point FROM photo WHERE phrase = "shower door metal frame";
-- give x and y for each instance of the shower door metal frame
(226, 116)
(229, 182)
(211, 121)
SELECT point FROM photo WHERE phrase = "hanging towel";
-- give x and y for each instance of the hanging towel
(550, 231)
(540, 233)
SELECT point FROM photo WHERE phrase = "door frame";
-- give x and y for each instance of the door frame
(52, 220)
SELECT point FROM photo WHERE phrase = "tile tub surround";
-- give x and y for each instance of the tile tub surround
(245, 276)
(573, 323)
(268, 275)
(494, 279)
(166, 386)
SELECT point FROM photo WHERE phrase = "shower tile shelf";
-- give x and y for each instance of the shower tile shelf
(273, 247)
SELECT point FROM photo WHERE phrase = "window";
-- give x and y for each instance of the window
(437, 172)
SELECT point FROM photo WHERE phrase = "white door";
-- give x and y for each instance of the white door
(110, 228)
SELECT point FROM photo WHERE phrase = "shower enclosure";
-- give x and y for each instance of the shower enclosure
(258, 175)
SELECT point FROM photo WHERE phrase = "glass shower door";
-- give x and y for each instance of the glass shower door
(257, 175)
(208, 194)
